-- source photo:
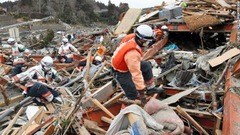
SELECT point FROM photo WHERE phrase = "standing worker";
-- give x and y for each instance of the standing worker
(66, 51)
(18, 53)
(38, 79)
(135, 76)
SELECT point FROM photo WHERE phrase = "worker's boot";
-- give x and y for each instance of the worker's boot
(56, 100)
(151, 87)
(154, 90)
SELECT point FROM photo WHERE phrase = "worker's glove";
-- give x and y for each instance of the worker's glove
(142, 96)
(10, 58)
(24, 93)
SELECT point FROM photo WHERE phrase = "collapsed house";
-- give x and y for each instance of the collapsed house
(197, 65)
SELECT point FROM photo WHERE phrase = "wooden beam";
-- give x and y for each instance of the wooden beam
(47, 122)
(96, 102)
(12, 100)
(83, 131)
(107, 120)
(176, 97)
(192, 121)
(86, 75)
(115, 98)
(24, 127)
(7, 129)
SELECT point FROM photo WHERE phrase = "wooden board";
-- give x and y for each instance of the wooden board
(223, 3)
(227, 55)
(176, 97)
(101, 94)
(147, 16)
(128, 20)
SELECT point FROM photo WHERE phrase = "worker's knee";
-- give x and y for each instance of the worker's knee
(145, 66)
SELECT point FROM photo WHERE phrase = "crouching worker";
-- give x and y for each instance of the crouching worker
(95, 65)
(66, 52)
(38, 78)
(18, 53)
(134, 75)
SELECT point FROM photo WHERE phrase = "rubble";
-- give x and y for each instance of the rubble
(197, 65)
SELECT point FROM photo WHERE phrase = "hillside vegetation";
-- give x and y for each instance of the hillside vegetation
(83, 12)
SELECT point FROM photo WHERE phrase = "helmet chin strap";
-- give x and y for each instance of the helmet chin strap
(43, 68)
(137, 39)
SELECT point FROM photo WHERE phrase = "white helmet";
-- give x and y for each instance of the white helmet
(64, 40)
(145, 32)
(11, 41)
(47, 63)
(98, 58)
(164, 27)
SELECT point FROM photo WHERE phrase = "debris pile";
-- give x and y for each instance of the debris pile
(197, 65)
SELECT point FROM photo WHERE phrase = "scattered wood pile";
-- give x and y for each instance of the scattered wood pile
(201, 86)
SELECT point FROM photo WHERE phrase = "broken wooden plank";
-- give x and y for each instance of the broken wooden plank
(50, 130)
(92, 126)
(176, 97)
(107, 120)
(86, 75)
(101, 95)
(218, 132)
(128, 20)
(168, 71)
(4, 94)
(24, 127)
(113, 99)
(147, 16)
(96, 102)
(31, 128)
(7, 129)
(192, 121)
(83, 131)
(223, 3)
(219, 121)
(227, 55)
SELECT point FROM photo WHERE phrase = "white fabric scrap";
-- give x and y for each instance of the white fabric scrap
(121, 120)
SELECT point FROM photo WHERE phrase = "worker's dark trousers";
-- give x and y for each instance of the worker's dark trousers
(126, 82)
(67, 60)
(17, 69)
(38, 89)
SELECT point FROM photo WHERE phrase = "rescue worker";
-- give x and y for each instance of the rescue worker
(159, 34)
(95, 64)
(19, 51)
(135, 76)
(66, 52)
(38, 77)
